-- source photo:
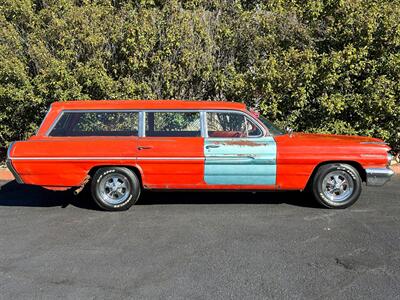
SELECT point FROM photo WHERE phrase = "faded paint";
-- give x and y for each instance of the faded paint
(245, 161)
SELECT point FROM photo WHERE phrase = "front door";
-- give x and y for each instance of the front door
(237, 152)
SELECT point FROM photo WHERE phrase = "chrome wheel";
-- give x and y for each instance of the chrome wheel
(114, 188)
(337, 186)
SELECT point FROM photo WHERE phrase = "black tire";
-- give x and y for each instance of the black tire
(328, 190)
(115, 188)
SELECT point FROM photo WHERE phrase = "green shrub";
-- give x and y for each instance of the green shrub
(317, 66)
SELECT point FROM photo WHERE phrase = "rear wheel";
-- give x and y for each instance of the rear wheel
(337, 185)
(115, 188)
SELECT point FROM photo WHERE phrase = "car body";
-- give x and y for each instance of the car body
(184, 145)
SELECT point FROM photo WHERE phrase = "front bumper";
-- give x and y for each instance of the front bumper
(378, 176)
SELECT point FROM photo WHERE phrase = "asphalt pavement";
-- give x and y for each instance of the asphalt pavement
(203, 245)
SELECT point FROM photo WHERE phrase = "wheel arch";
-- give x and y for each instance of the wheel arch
(356, 165)
(134, 168)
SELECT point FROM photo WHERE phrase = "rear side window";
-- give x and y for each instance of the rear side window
(97, 124)
(174, 124)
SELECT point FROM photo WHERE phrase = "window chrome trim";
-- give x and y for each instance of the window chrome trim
(142, 120)
(203, 124)
(145, 111)
(61, 113)
(142, 123)
(256, 122)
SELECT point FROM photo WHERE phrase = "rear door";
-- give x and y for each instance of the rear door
(170, 150)
(237, 152)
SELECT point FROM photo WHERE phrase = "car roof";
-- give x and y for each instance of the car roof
(146, 104)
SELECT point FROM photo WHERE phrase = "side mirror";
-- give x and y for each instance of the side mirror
(289, 131)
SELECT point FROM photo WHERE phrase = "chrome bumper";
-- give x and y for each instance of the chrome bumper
(13, 171)
(378, 177)
(10, 165)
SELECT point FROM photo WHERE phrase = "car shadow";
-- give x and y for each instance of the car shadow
(14, 194)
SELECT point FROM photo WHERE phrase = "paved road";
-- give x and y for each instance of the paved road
(199, 246)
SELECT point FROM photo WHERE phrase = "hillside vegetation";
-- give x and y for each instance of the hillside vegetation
(316, 66)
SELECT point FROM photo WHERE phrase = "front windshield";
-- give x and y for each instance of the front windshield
(271, 127)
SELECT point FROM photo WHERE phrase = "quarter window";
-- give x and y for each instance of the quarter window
(174, 124)
(97, 124)
(231, 125)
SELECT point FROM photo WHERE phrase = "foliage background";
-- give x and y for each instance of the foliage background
(318, 66)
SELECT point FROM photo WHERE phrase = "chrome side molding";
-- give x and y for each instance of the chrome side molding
(374, 143)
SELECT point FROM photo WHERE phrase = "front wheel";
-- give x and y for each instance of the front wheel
(115, 188)
(337, 185)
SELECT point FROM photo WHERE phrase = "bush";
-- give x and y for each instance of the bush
(318, 66)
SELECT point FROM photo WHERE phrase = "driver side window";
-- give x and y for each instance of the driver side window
(230, 125)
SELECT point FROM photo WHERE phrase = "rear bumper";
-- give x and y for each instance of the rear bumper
(378, 176)
(13, 171)
(10, 165)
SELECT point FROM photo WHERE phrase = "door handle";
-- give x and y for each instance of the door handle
(212, 146)
(144, 147)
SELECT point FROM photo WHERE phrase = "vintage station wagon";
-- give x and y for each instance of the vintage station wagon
(118, 148)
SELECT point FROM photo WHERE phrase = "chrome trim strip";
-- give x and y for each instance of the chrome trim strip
(378, 176)
(10, 165)
(108, 158)
(373, 143)
(372, 155)
(71, 158)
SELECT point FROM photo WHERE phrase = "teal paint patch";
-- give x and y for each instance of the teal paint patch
(240, 161)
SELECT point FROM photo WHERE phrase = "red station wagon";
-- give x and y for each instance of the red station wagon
(122, 147)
